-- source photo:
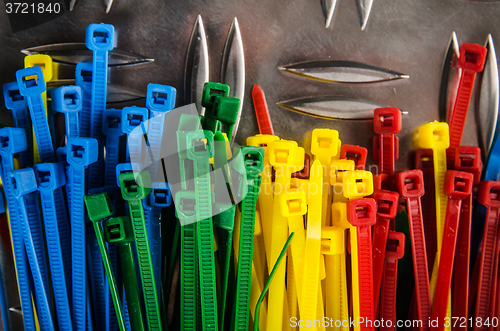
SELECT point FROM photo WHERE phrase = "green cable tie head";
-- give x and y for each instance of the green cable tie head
(210, 91)
(185, 206)
(253, 159)
(199, 145)
(226, 111)
(118, 230)
(99, 206)
(135, 187)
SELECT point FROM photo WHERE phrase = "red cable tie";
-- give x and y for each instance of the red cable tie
(305, 172)
(489, 196)
(387, 203)
(471, 60)
(381, 182)
(395, 251)
(261, 111)
(361, 214)
(386, 123)
(355, 153)
(457, 186)
(411, 187)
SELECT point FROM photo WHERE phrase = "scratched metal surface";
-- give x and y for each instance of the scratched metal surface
(406, 35)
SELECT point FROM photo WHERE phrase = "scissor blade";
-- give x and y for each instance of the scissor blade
(488, 99)
(72, 4)
(233, 68)
(196, 71)
(16, 310)
(333, 71)
(450, 79)
(328, 10)
(108, 4)
(115, 93)
(364, 10)
(73, 53)
(333, 107)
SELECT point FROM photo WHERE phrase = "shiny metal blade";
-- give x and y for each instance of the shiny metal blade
(488, 99)
(72, 4)
(333, 71)
(334, 108)
(450, 79)
(233, 68)
(115, 93)
(196, 71)
(328, 10)
(16, 310)
(108, 4)
(73, 53)
(364, 10)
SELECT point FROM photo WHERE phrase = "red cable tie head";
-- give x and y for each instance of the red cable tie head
(468, 158)
(355, 153)
(411, 183)
(381, 182)
(458, 184)
(472, 57)
(387, 203)
(489, 194)
(395, 245)
(387, 120)
(362, 212)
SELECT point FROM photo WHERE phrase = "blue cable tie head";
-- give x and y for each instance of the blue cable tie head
(23, 181)
(100, 37)
(12, 140)
(83, 74)
(12, 96)
(111, 122)
(30, 81)
(61, 154)
(50, 176)
(132, 117)
(82, 151)
(199, 144)
(160, 98)
(161, 196)
(67, 99)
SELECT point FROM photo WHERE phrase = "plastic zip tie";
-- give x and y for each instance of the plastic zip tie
(458, 185)
(325, 146)
(24, 187)
(361, 215)
(471, 60)
(134, 188)
(32, 86)
(387, 207)
(80, 153)
(83, 79)
(354, 153)
(261, 111)
(99, 38)
(387, 122)
(133, 117)
(411, 187)
(395, 251)
(7, 150)
(204, 232)
(488, 196)
(286, 157)
(111, 128)
(98, 208)
(49, 177)
(19, 106)
(466, 159)
(221, 111)
(119, 231)
(68, 100)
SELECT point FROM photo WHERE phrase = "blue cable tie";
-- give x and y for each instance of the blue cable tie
(23, 183)
(3, 305)
(19, 107)
(80, 153)
(51, 176)
(32, 85)
(160, 99)
(112, 129)
(83, 79)
(133, 117)
(99, 38)
(13, 140)
(68, 100)
(2, 202)
(153, 205)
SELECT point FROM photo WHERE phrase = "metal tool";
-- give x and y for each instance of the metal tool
(73, 53)
(335, 71)
(364, 11)
(328, 10)
(334, 107)
(450, 79)
(488, 100)
(108, 4)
